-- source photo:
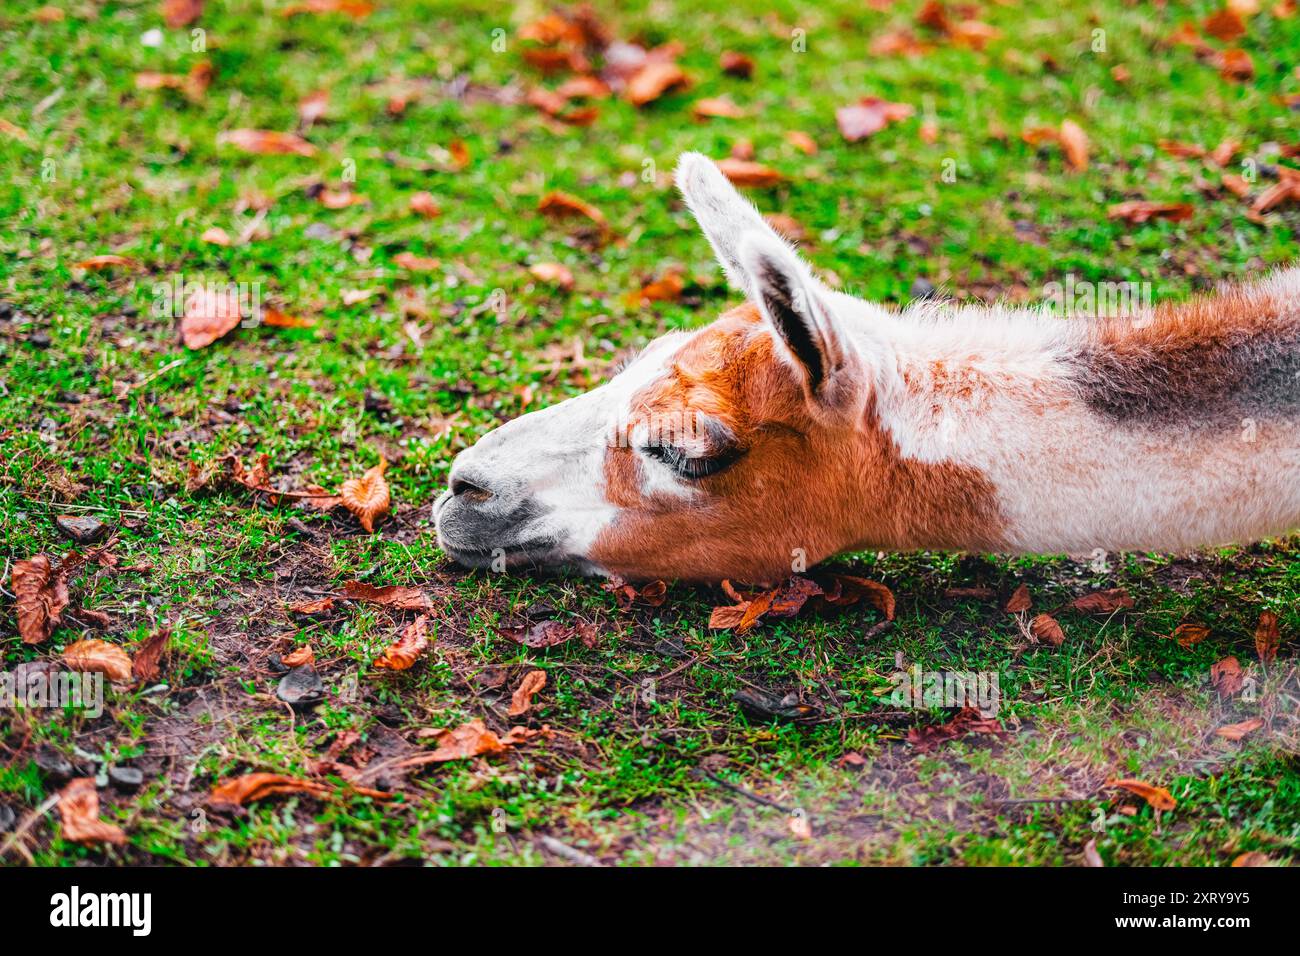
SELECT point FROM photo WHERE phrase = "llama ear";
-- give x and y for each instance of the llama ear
(725, 216)
(802, 313)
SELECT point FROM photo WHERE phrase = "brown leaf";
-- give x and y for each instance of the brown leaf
(1227, 677)
(1189, 634)
(745, 173)
(99, 263)
(522, 699)
(1102, 602)
(40, 596)
(1074, 144)
(1236, 185)
(470, 739)
(583, 88)
(553, 273)
(211, 311)
(79, 813)
(653, 80)
(1138, 211)
(973, 33)
(1157, 797)
(853, 588)
(181, 13)
(1047, 630)
(1225, 24)
(148, 659)
(393, 595)
(423, 204)
(716, 107)
(869, 116)
(367, 497)
(1181, 150)
(413, 641)
(100, 657)
(802, 142)
(1223, 153)
(1090, 854)
(1235, 732)
(667, 288)
(726, 617)
(968, 720)
(1020, 600)
(898, 43)
(1254, 857)
(299, 657)
(216, 236)
(252, 787)
(1267, 636)
(409, 260)
(560, 204)
(312, 107)
(1234, 64)
(276, 319)
(321, 606)
(736, 64)
(340, 198)
(356, 9)
(542, 634)
(265, 142)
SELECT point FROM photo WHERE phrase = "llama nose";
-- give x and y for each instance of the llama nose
(471, 490)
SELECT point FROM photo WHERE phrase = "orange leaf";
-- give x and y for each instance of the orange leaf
(559, 204)
(1020, 600)
(716, 106)
(267, 142)
(1181, 150)
(1046, 629)
(1227, 677)
(216, 236)
(79, 812)
(257, 786)
(210, 313)
(312, 107)
(99, 657)
(552, 273)
(406, 650)
(356, 9)
(409, 260)
(745, 173)
(653, 80)
(312, 607)
(280, 320)
(1103, 602)
(423, 204)
(41, 593)
(1157, 797)
(1235, 732)
(869, 116)
(522, 699)
(148, 659)
(98, 263)
(1226, 24)
(471, 739)
(1267, 636)
(181, 13)
(1138, 211)
(393, 595)
(1074, 143)
(1234, 64)
(802, 142)
(1189, 634)
(367, 497)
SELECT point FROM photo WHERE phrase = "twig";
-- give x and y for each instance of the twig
(735, 788)
(566, 852)
(28, 822)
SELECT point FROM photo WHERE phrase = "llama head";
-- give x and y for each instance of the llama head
(729, 452)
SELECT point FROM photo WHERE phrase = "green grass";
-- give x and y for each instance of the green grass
(101, 410)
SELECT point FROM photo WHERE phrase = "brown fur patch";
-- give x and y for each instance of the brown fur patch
(804, 486)
(1209, 361)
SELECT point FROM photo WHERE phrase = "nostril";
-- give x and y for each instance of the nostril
(460, 488)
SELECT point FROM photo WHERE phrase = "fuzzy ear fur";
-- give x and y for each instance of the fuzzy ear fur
(725, 216)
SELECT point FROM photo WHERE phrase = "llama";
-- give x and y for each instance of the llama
(806, 422)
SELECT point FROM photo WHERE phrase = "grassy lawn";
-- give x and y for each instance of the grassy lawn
(646, 756)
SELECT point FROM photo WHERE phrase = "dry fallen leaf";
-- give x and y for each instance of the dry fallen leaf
(1235, 732)
(215, 235)
(1074, 144)
(667, 288)
(99, 263)
(1138, 211)
(1157, 797)
(406, 650)
(147, 664)
(423, 204)
(1225, 24)
(1252, 858)
(321, 606)
(546, 633)
(1188, 634)
(1103, 602)
(560, 204)
(745, 173)
(211, 311)
(736, 64)
(40, 596)
(79, 813)
(471, 739)
(1047, 630)
(181, 13)
(1267, 636)
(312, 107)
(716, 106)
(1234, 64)
(522, 699)
(367, 497)
(968, 721)
(869, 116)
(1090, 854)
(101, 657)
(393, 595)
(1226, 676)
(282, 320)
(356, 9)
(653, 80)
(552, 273)
(409, 260)
(267, 142)
(1020, 600)
(1236, 185)
(1181, 150)
(257, 786)
(802, 142)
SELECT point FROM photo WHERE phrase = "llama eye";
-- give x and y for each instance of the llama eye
(687, 467)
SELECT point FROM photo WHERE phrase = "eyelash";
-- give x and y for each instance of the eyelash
(691, 468)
